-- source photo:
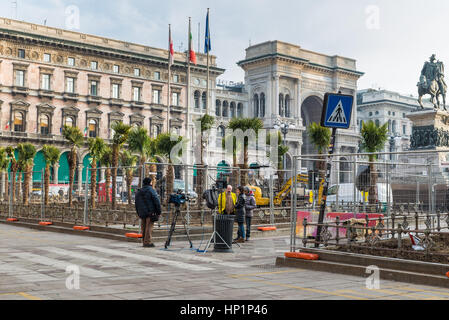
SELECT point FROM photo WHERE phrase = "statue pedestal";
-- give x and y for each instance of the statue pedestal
(430, 133)
(430, 130)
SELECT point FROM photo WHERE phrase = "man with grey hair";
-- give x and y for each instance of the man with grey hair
(226, 201)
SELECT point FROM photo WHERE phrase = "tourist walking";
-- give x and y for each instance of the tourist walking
(148, 207)
(250, 205)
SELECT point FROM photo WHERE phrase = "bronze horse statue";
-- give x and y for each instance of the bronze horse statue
(434, 88)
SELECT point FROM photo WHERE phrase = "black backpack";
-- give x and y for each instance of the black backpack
(211, 197)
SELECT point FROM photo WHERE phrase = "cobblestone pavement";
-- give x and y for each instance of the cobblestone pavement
(34, 265)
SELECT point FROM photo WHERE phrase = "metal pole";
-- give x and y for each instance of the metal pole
(354, 174)
(86, 195)
(326, 187)
(10, 194)
(186, 177)
(271, 201)
(429, 173)
(42, 197)
(293, 209)
(387, 173)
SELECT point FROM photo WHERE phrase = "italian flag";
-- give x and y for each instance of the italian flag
(7, 126)
(192, 55)
(172, 51)
(85, 132)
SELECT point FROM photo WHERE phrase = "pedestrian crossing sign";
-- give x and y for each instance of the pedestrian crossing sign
(337, 111)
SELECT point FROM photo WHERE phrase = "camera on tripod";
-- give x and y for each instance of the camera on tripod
(178, 198)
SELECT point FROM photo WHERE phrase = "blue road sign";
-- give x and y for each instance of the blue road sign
(337, 111)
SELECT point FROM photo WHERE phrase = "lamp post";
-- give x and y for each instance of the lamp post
(284, 127)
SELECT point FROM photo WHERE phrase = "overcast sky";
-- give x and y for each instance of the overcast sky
(390, 39)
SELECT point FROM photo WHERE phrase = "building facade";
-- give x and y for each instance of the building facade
(383, 106)
(52, 77)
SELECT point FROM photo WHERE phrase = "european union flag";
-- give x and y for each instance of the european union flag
(207, 45)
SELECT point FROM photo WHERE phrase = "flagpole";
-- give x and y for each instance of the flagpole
(207, 86)
(188, 81)
(169, 76)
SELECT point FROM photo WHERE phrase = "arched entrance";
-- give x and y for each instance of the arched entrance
(39, 166)
(311, 110)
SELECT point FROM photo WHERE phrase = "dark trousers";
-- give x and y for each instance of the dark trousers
(147, 229)
(248, 226)
(241, 231)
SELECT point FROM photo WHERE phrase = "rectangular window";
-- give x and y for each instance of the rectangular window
(94, 88)
(157, 75)
(175, 99)
(45, 82)
(175, 78)
(136, 94)
(116, 69)
(404, 129)
(71, 62)
(47, 57)
(21, 53)
(70, 85)
(116, 91)
(20, 78)
(94, 65)
(137, 72)
(156, 96)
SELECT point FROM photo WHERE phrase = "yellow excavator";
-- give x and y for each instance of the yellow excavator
(280, 196)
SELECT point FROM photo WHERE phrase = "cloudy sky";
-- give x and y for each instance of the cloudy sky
(389, 39)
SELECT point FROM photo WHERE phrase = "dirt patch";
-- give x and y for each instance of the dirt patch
(438, 253)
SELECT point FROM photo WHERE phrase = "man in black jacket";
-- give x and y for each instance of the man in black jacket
(148, 207)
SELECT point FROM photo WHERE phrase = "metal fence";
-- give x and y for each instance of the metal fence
(93, 199)
(375, 195)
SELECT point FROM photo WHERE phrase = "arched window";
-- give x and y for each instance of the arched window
(287, 106)
(221, 131)
(281, 105)
(240, 110)
(44, 124)
(225, 109)
(196, 96)
(256, 105)
(262, 105)
(18, 122)
(377, 123)
(232, 109)
(93, 127)
(218, 108)
(69, 122)
(203, 100)
(389, 126)
(393, 128)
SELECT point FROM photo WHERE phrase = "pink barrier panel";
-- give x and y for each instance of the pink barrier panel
(312, 216)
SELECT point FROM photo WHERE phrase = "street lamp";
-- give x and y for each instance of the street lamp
(284, 127)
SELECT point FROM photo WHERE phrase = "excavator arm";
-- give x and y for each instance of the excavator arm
(303, 178)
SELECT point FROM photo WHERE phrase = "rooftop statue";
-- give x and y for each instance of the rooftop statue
(432, 82)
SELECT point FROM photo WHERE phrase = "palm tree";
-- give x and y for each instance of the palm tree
(320, 137)
(106, 162)
(236, 145)
(139, 142)
(75, 138)
(164, 146)
(245, 124)
(26, 160)
(51, 157)
(10, 151)
(207, 122)
(97, 147)
(373, 140)
(4, 163)
(121, 132)
(152, 157)
(129, 161)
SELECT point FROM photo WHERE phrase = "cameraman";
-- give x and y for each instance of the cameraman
(148, 207)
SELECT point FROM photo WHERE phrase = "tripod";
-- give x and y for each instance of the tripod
(214, 234)
(173, 226)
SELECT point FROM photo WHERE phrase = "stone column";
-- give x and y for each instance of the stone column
(276, 95)
(56, 173)
(80, 178)
(297, 112)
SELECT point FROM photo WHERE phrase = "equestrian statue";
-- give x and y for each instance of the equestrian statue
(432, 82)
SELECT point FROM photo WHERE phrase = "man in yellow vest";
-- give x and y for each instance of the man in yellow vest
(226, 201)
